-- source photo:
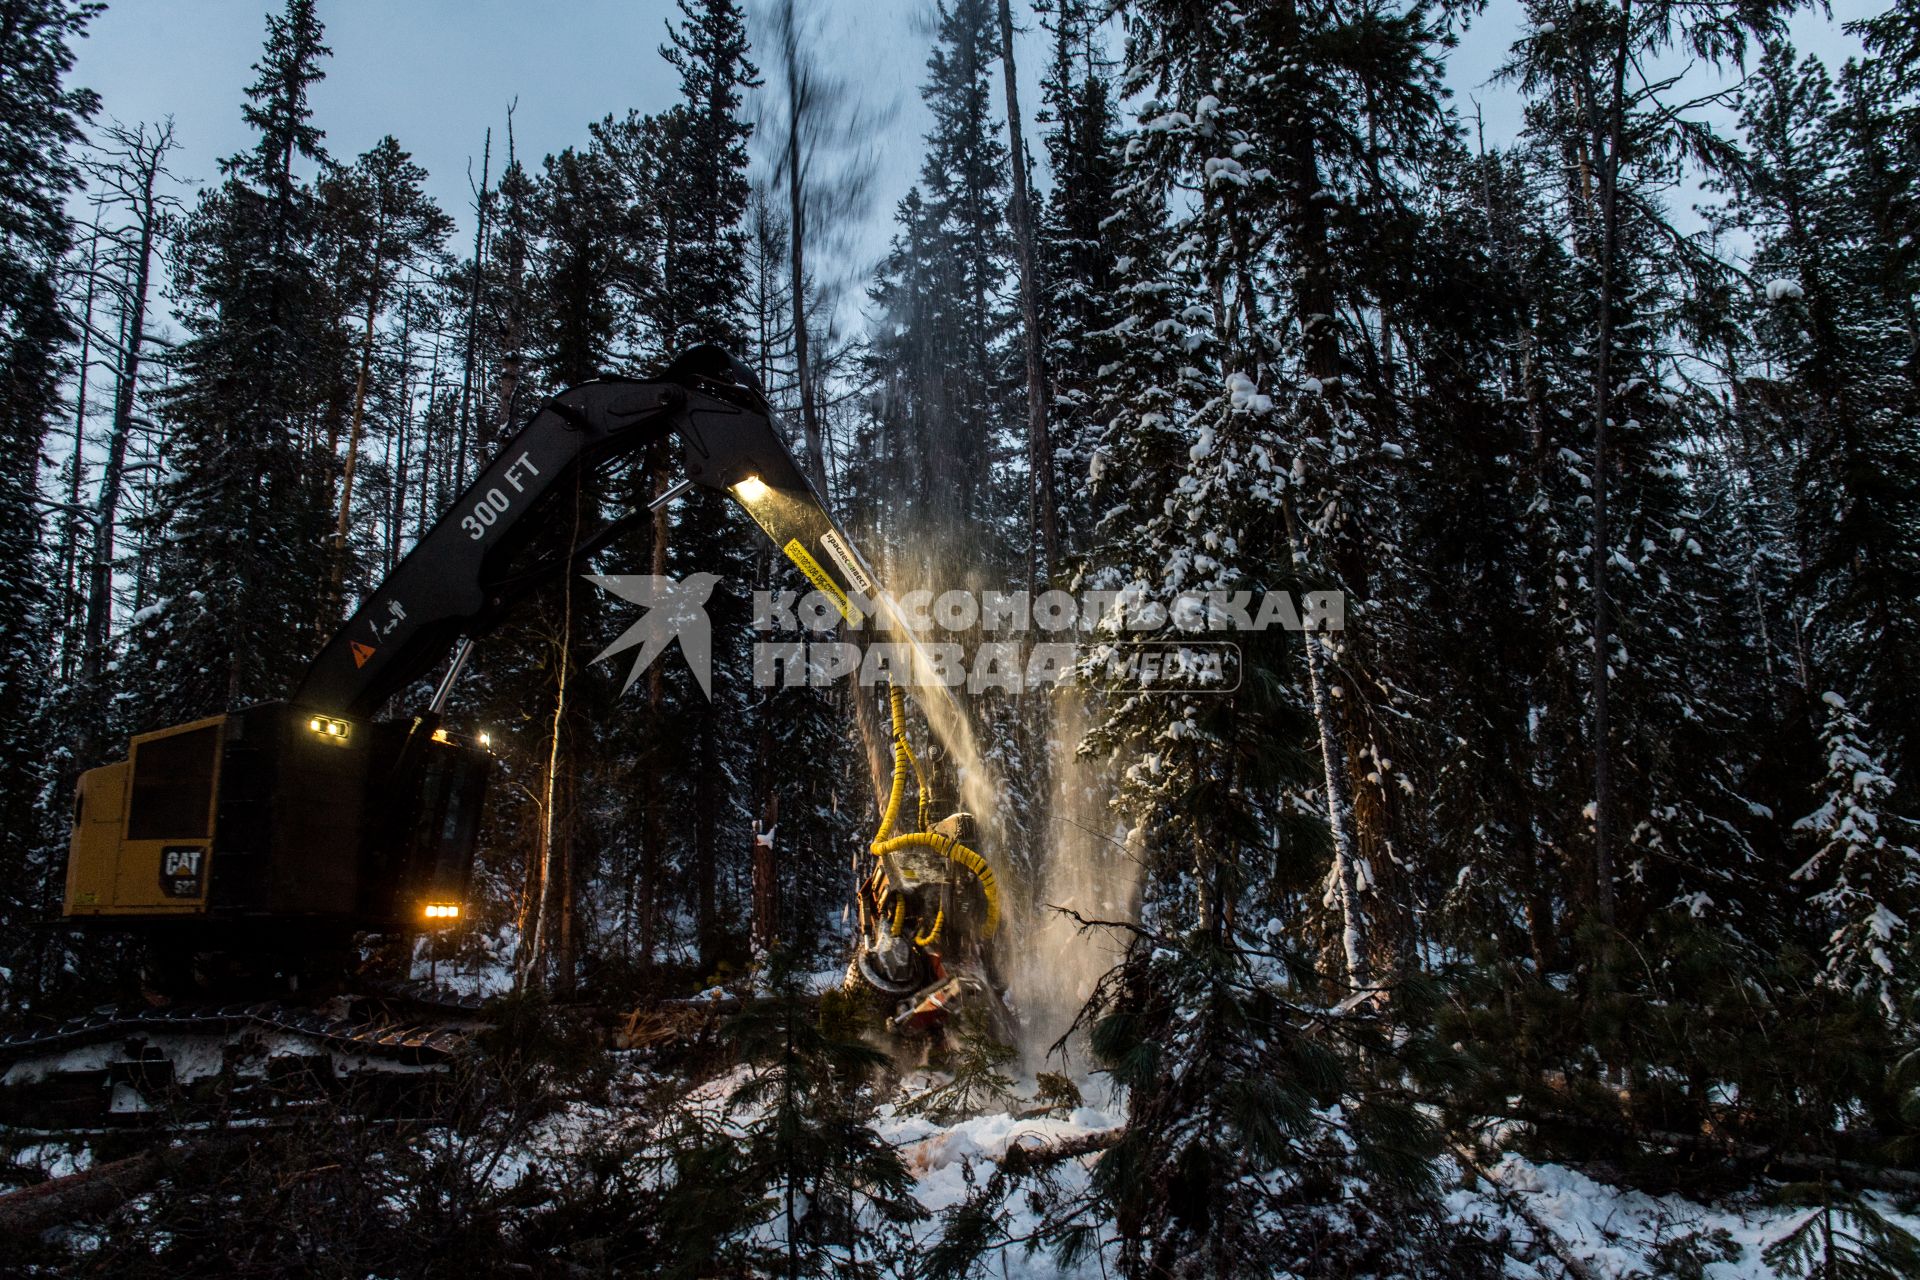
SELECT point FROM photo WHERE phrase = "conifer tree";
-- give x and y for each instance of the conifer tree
(386, 225)
(1829, 328)
(1865, 866)
(803, 1186)
(41, 116)
(703, 174)
(964, 179)
(258, 386)
(1076, 269)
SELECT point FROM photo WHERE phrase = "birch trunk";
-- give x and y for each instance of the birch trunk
(1344, 877)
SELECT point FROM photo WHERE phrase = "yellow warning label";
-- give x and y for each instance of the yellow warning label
(798, 553)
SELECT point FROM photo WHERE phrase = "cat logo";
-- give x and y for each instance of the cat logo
(361, 652)
(180, 870)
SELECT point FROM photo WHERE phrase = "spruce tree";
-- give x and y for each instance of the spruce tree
(1829, 328)
(703, 174)
(243, 526)
(1077, 271)
(41, 117)
(963, 181)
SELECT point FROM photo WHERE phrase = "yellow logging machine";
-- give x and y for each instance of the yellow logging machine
(277, 832)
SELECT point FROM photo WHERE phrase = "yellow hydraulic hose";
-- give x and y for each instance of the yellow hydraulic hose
(901, 753)
(956, 852)
(903, 759)
(920, 792)
(922, 939)
(893, 797)
(885, 842)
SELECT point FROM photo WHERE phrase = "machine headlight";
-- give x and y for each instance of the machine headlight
(752, 489)
(442, 911)
(335, 731)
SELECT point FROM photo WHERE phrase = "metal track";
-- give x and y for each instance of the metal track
(134, 1067)
(418, 1040)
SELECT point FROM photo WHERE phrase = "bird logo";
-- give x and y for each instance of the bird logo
(674, 611)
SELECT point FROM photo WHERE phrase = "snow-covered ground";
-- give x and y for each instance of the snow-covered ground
(1617, 1232)
(1614, 1233)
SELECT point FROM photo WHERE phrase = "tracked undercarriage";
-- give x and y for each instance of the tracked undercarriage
(134, 1067)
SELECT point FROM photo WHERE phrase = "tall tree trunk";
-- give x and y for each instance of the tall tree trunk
(1602, 404)
(566, 953)
(1344, 876)
(863, 711)
(76, 469)
(532, 963)
(464, 442)
(803, 371)
(337, 572)
(766, 881)
(403, 434)
(1039, 448)
(107, 506)
(1316, 305)
(707, 799)
(652, 830)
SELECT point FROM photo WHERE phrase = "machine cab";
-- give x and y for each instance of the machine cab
(277, 814)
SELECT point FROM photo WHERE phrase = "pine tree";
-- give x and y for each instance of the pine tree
(1831, 335)
(385, 225)
(1843, 1237)
(1255, 1144)
(1076, 269)
(41, 116)
(803, 1186)
(703, 291)
(939, 365)
(1865, 866)
(1211, 429)
(258, 390)
(704, 174)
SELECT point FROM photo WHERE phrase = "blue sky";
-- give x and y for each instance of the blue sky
(437, 73)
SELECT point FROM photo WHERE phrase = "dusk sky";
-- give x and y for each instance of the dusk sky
(438, 73)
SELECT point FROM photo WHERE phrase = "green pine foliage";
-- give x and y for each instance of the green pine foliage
(242, 531)
(798, 1155)
(41, 121)
(1260, 1139)
(1844, 1236)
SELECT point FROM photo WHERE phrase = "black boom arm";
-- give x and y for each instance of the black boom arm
(462, 577)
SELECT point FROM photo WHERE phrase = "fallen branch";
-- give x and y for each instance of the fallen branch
(1855, 1172)
(1023, 1157)
(1513, 1202)
(91, 1193)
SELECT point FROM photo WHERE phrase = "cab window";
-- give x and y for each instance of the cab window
(173, 786)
